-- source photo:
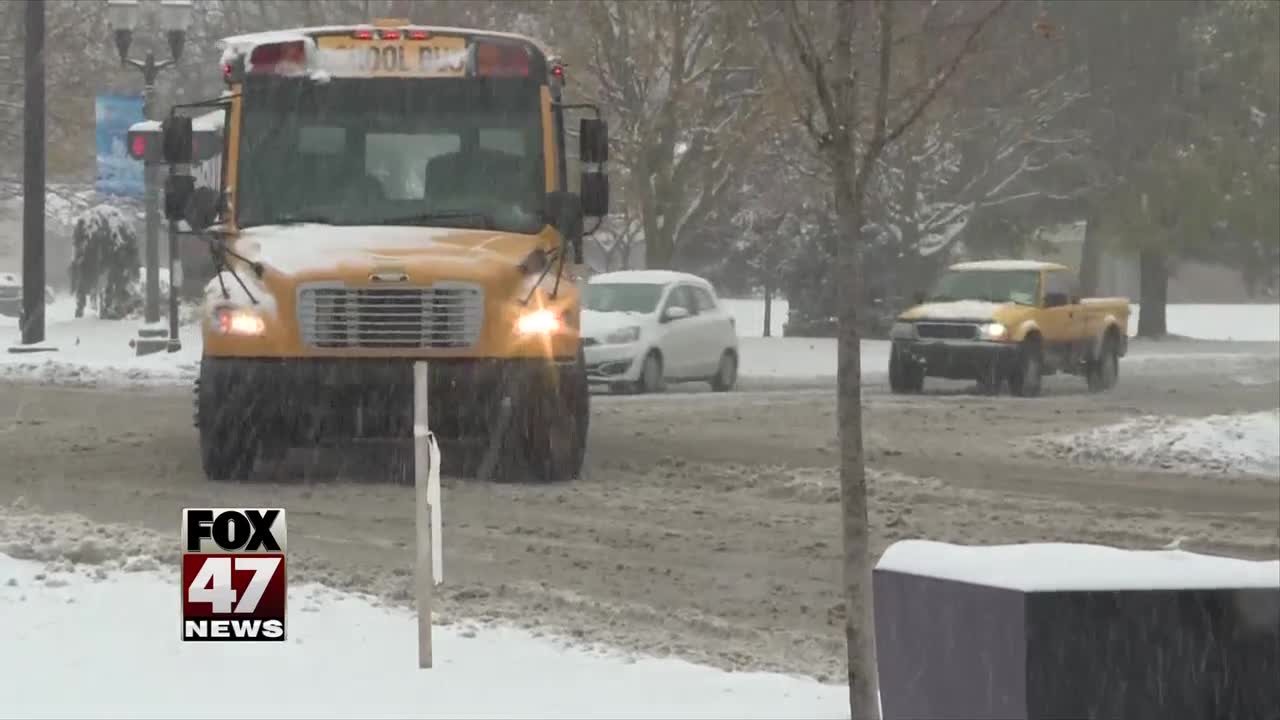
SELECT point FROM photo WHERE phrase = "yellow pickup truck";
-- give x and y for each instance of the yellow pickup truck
(1008, 320)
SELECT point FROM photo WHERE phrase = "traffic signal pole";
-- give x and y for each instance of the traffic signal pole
(33, 183)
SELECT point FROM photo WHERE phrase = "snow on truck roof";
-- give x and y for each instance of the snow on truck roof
(1008, 265)
(647, 277)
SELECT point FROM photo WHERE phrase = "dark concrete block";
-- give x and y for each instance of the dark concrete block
(1063, 632)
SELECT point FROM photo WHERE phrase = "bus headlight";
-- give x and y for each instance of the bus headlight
(539, 322)
(238, 321)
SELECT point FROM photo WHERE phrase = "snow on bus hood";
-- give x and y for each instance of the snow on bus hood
(957, 310)
(595, 322)
(317, 251)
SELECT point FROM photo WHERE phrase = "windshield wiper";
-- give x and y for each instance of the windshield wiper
(303, 218)
(484, 219)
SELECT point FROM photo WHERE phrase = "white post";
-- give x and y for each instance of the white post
(423, 468)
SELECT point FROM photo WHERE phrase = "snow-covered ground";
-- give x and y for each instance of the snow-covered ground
(1217, 444)
(107, 627)
(97, 351)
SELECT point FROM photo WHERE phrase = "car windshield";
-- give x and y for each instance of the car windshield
(997, 286)
(622, 297)
(432, 152)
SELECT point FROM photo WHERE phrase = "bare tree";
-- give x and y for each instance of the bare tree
(666, 74)
(852, 119)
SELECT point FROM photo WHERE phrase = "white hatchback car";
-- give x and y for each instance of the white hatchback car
(644, 328)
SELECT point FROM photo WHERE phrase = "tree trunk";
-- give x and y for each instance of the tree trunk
(768, 306)
(1153, 291)
(1091, 254)
(859, 620)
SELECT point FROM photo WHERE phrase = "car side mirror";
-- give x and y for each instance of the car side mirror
(564, 213)
(177, 140)
(674, 313)
(593, 141)
(595, 194)
(1055, 299)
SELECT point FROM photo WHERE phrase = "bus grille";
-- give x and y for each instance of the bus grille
(445, 315)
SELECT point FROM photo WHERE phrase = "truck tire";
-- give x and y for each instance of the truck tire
(1103, 372)
(227, 447)
(546, 440)
(1026, 378)
(904, 375)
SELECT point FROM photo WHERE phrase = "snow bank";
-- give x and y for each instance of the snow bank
(1039, 567)
(1217, 444)
(1242, 323)
(94, 351)
(116, 622)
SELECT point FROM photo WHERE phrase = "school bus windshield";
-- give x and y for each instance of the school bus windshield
(432, 152)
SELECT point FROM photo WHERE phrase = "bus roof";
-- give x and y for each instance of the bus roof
(240, 43)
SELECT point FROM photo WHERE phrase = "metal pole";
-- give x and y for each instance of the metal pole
(423, 571)
(152, 193)
(33, 177)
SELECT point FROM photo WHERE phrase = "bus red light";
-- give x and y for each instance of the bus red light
(362, 34)
(390, 34)
(419, 34)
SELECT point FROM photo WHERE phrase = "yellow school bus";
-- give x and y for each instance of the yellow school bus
(392, 193)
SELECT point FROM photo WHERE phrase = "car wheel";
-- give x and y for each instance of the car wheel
(1105, 371)
(904, 375)
(1025, 381)
(651, 379)
(727, 374)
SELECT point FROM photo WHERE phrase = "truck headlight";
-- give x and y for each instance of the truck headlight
(993, 331)
(539, 322)
(623, 336)
(238, 321)
(902, 331)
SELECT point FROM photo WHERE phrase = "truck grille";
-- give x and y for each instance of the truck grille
(445, 315)
(947, 331)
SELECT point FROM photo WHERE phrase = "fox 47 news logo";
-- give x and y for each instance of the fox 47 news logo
(233, 581)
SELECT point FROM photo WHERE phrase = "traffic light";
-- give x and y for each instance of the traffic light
(146, 144)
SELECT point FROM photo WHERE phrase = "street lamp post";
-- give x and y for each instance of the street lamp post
(175, 18)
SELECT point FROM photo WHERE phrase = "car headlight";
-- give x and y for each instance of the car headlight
(238, 321)
(902, 331)
(623, 336)
(993, 331)
(539, 322)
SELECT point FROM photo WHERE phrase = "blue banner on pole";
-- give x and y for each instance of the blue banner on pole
(118, 174)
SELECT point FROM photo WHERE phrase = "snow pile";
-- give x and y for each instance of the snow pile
(116, 620)
(94, 351)
(1241, 323)
(1039, 567)
(1217, 444)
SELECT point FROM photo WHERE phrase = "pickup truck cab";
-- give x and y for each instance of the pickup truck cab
(1008, 320)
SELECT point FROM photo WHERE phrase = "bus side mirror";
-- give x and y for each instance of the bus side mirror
(564, 213)
(177, 140)
(595, 194)
(593, 141)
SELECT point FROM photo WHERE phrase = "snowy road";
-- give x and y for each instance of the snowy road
(708, 524)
